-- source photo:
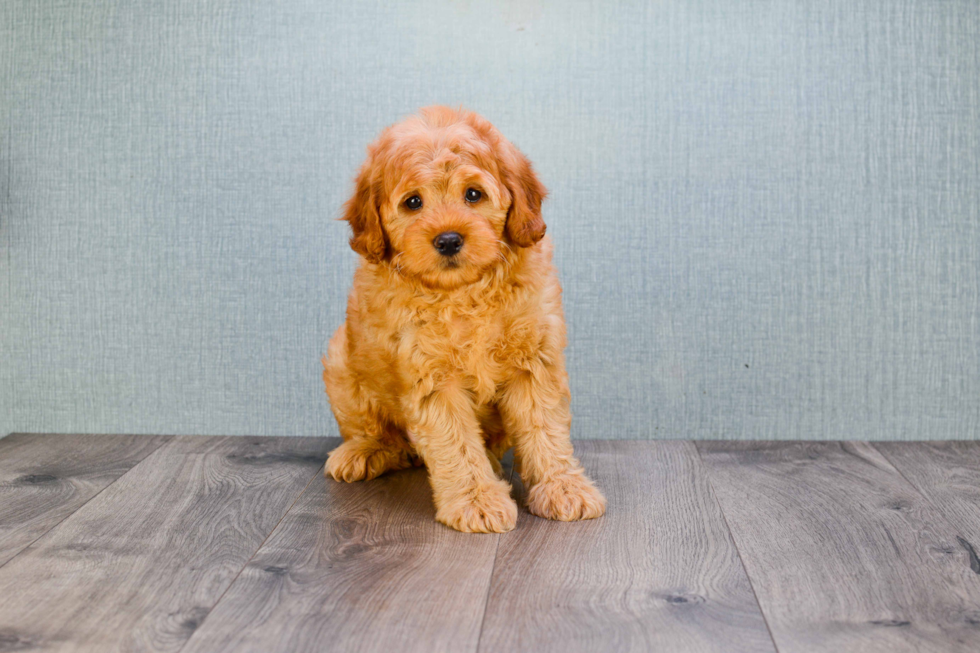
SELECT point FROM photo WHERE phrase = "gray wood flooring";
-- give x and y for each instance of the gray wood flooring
(139, 543)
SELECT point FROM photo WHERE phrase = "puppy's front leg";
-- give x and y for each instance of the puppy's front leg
(535, 409)
(468, 495)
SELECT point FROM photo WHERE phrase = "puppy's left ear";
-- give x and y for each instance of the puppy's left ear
(525, 226)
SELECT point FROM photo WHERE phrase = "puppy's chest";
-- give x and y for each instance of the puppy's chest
(480, 350)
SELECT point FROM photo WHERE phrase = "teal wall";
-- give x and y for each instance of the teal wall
(766, 214)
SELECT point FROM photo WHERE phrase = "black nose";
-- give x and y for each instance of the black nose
(448, 243)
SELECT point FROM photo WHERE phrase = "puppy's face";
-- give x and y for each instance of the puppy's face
(442, 196)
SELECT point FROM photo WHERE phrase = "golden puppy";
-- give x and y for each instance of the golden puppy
(452, 349)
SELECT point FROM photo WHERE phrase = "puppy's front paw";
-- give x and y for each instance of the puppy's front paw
(356, 460)
(568, 497)
(490, 511)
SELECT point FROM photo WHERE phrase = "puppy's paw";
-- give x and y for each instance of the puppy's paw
(568, 497)
(359, 460)
(491, 510)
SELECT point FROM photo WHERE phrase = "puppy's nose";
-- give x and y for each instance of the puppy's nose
(448, 243)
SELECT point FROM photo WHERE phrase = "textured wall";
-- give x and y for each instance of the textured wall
(767, 214)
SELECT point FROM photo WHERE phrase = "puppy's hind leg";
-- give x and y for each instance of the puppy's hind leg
(372, 446)
(361, 459)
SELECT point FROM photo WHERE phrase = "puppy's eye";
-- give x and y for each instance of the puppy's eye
(413, 203)
(473, 195)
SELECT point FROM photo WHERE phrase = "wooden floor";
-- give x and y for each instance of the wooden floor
(136, 543)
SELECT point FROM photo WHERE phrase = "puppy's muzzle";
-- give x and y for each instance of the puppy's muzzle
(448, 243)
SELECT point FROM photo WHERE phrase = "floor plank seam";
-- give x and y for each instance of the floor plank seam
(738, 551)
(486, 599)
(90, 499)
(908, 480)
(319, 472)
(937, 509)
(493, 568)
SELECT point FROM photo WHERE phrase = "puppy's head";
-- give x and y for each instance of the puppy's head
(441, 197)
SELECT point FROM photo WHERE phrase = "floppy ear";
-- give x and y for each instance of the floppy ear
(525, 226)
(362, 213)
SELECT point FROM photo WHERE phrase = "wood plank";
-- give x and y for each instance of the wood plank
(948, 474)
(843, 553)
(358, 567)
(138, 567)
(46, 477)
(658, 572)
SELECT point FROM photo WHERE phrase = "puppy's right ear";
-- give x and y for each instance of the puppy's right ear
(362, 212)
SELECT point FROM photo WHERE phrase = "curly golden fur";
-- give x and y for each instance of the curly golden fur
(450, 360)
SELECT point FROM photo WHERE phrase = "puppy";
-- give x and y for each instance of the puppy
(452, 351)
